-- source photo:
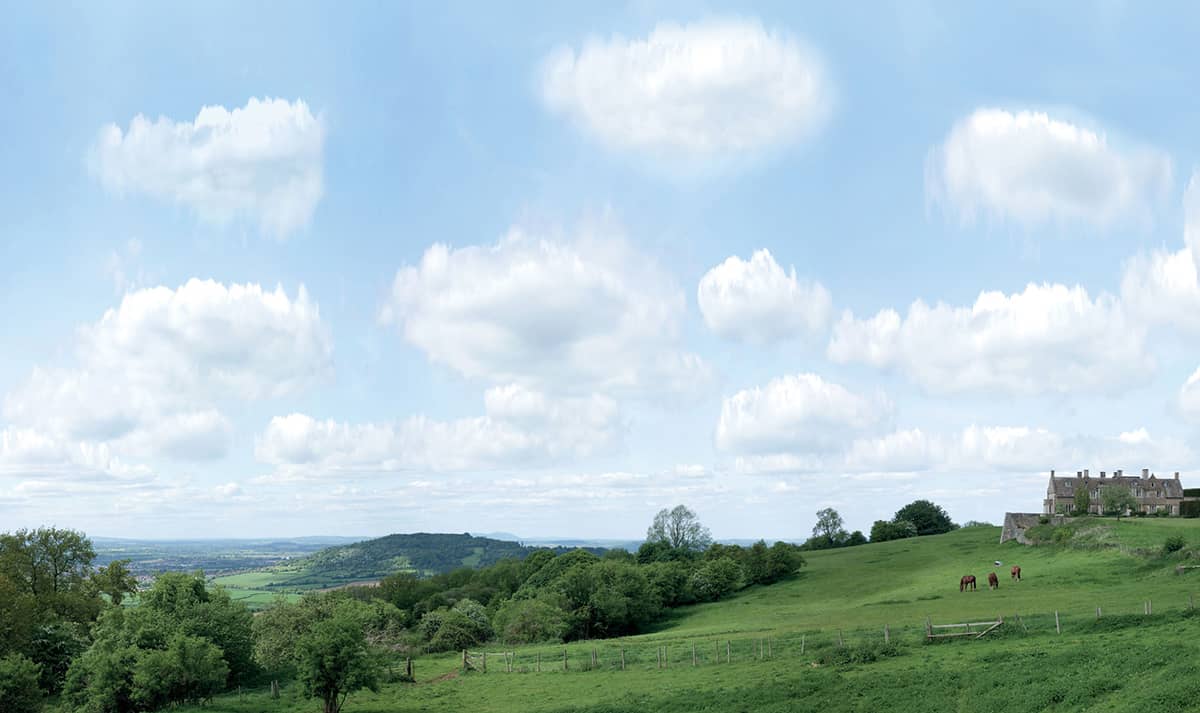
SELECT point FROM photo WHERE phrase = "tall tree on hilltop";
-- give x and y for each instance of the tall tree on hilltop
(929, 519)
(680, 528)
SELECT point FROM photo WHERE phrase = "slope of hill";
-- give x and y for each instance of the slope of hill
(1123, 661)
(369, 561)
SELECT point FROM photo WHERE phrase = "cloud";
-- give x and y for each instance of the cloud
(797, 412)
(757, 301)
(581, 316)
(520, 427)
(1189, 395)
(26, 452)
(152, 372)
(976, 450)
(1046, 339)
(1032, 168)
(699, 91)
(261, 162)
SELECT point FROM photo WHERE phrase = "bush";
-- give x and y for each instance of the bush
(529, 621)
(859, 654)
(1174, 543)
(19, 692)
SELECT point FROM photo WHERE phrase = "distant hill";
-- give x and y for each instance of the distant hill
(422, 553)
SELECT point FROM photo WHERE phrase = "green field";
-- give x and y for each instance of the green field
(1123, 661)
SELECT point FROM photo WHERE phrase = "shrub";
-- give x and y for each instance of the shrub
(19, 692)
(859, 654)
(529, 621)
(1174, 543)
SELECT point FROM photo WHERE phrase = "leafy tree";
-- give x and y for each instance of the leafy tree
(1117, 500)
(884, 530)
(671, 581)
(334, 661)
(1083, 501)
(830, 526)
(193, 608)
(115, 581)
(529, 621)
(680, 529)
(856, 538)
(1174, 543)
(716, 578)
(190, 669)
(929, 519)
(19, 692)
(18, 616)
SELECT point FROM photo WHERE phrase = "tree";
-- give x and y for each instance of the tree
(679, 528)
(884, 530)
(115, 581)
(716, 578)
(19, 692)
(1117, 500)
(928, 518)
(829, 525)
(190, 669)
(530, 621)
(333, 661)
(1083, 501)
(856, 538)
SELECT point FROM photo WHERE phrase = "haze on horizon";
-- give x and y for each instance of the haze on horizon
(548, 269)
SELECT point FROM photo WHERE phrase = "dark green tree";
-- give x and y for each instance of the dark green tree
(333, 660)
(19, 691)
(1083, 501)
(830, 526)
(928, 518)
(115, 581)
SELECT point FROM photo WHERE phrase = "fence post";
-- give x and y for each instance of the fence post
(727, 658)
(802, 644)
(564, 659)
(928, 628)
(1150, 607)
(769, 655)
(693, 654)
(539, 662)
(887, 636)
(622, 659)
(408, 668)
(1057, 627)
(485, 662)
(840, 641)
(1191, 602)
(658, 654)
(716, 652)
(508, 659)
(1098, 612)
(464, 659)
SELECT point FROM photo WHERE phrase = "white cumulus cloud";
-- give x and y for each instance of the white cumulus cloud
(581, 315)
(1031, 167)
(1046, 339)
(797, 413)
(520, 427)
(701, 90)
(152, 373)
(261, 162)
(757, 301)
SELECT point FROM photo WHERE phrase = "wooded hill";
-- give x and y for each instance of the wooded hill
(421, 553)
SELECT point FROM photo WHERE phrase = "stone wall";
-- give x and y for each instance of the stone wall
(1015, 524)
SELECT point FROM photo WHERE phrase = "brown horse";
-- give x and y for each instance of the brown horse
(965, 582)
(1016, 573)
(993, 581)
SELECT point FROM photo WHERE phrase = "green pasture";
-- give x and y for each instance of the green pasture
(1125, 661)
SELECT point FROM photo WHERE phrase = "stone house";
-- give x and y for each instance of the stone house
(1153, 494)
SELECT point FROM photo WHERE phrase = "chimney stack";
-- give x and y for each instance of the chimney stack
(1176, 475)
(1101, 474)
(1085, 472)
(1051, 472)
(1145, 472)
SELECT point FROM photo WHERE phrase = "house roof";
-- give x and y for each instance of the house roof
(1063, 486)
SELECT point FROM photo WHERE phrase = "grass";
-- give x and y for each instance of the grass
(1123, 662)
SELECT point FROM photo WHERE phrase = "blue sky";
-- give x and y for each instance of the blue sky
(547, 269)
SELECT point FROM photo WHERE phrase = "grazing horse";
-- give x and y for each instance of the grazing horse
(966, 581)
(993, 581)
(1016, 573)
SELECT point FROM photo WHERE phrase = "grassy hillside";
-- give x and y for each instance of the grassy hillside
(1123, 662)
